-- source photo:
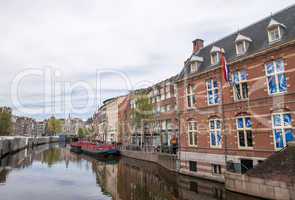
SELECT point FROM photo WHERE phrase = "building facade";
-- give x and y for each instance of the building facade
(24, 126)
(235, 120)
(165, 125)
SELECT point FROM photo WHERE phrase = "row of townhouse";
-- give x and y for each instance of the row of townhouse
(224, 125)
(105, 121)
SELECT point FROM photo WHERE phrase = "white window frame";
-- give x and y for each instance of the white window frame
(241, 87)
(243, 43)
(193, 131)
(215, 58)
(276, 74)
(213, 88)
(193, 67)
(270, 39)
(191, 96)
(244, 129)
(282, 127)
(215, 130)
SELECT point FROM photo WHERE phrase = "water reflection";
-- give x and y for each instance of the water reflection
(53, 172)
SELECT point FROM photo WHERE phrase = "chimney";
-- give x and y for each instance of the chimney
(197, 45)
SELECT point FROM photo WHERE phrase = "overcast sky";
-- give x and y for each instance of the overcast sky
(137, 42)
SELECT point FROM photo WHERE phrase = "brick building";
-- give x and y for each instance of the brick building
(124, 129)
(24, 126)
(165, 125)
(241, 122)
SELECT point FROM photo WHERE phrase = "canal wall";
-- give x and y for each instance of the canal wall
(272, 179)
(265, 188)
(167, 161)
(10, 145)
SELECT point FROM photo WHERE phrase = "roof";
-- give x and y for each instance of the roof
(279, 167)
(168, 80)
(274, 22)
(241, 37)
(258, 34)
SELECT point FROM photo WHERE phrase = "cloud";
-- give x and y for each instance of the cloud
(146, 40)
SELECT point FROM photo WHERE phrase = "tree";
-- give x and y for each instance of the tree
(5, 123)
(142, 114)
(54, 126)
(81, 133)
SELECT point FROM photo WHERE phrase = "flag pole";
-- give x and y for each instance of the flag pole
(222, 106)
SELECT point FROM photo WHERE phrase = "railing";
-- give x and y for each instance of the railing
(150, 149)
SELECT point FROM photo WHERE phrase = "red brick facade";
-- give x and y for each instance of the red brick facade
(259, 107)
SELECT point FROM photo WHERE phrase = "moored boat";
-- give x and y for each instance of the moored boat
(77, 146)
(101, 150)
(94, 150)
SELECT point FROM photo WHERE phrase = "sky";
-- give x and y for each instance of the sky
(61, 57)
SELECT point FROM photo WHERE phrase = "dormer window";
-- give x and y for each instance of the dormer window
(215, 55)
(194, 67)
(274, 34)
(275, 31)
(240, 47)
(195, 62)
(242, 44)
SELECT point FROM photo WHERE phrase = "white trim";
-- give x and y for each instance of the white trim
(241, 37)
(241, 86)
(271, 40)
(215, 130)
(213, 91)
(194, 132)
(275, 73)
(282, 128)
(244, 129)
(191, 95)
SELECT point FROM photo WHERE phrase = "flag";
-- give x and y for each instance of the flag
(225, 68)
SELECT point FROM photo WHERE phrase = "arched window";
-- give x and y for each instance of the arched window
(215, 133)
(244, 131)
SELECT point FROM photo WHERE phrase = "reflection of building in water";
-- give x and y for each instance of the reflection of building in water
(141, 180)
(106, 177)
(3, 175)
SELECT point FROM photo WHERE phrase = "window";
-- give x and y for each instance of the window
(244, 129)
(240, 85)
(194, 67)
(216, 169)
(215, 133)
(192, 133)
(241, 47)
(276, 77)
(274, 34)
(282, 129)
(192, 166)
(194, 187)
(212, 92)
(215, 58)
(190, 96)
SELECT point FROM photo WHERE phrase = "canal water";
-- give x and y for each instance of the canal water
(52, 172)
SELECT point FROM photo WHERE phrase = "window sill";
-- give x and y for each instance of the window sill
(246, 148)
(193, 146)
(274, 41)
(277, 94)
(217, 104)
(241, 100)
(215, 147)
